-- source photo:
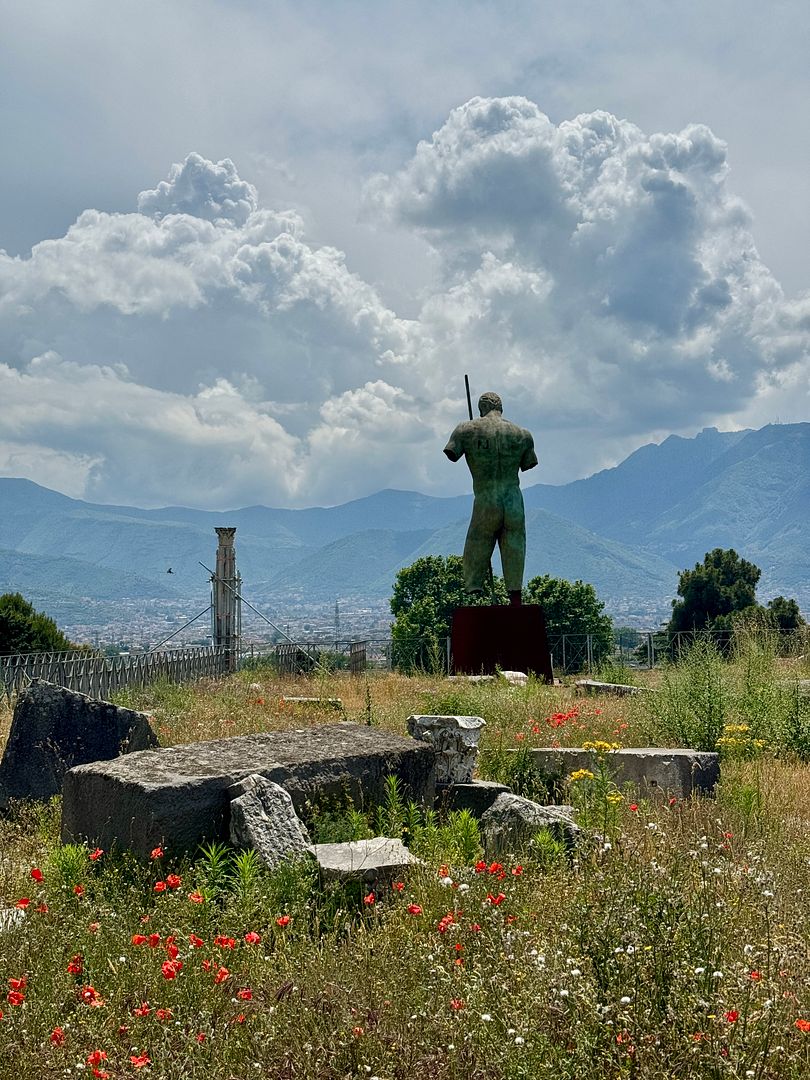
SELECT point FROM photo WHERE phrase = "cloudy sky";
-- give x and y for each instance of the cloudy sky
(251, 247)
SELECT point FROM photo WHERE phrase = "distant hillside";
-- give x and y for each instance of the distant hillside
(627, 530)
(40, 576)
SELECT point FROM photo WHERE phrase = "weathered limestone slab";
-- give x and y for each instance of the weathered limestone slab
(379, 859)
(476, 796)
(474, 679)
(318, 702)
(455, 742)
(179, 797)
(515, 678)
(511, 822)
(54, 729)
(676, 772)
(592, 686)
(263, 818)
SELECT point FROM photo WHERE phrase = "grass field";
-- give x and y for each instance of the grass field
(675, 943)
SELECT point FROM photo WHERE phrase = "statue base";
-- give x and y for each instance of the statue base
(509, 638)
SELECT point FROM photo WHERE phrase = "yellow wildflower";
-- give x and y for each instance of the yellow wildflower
(581, 774)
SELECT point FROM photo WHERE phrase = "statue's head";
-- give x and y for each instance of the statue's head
(489, 402)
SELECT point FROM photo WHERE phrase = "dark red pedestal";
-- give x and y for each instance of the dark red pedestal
(509, 638)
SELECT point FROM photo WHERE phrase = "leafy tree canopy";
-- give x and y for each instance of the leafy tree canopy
(23, 630)
(785, 614)
(711, 593)
(573, 608)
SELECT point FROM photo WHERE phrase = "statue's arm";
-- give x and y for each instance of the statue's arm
(455, 446)
(529, 457)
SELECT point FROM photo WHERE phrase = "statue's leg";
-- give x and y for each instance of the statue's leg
(512, 542)
(479, 545)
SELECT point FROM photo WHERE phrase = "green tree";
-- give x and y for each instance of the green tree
(784, 614)
(426, 593)
(23, 630)
(722, 585)
(573, 608)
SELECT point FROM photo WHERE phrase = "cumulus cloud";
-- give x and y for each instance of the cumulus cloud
(203, 350)
(203, 189)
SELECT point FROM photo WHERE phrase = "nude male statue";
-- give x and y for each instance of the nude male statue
(496, 450)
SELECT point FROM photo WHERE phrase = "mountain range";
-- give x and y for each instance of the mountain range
(627, 530)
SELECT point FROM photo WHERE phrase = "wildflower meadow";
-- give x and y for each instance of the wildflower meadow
(673, 942)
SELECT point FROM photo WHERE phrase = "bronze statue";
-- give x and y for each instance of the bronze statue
(496, 451)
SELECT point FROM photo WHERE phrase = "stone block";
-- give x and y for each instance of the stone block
(674, 772)
(263, 818)
(455, 742)
(511, 822)
(178, 796)
(477, 796)
(592, 686)
(380, 859)
(54, 729)
(515, 678)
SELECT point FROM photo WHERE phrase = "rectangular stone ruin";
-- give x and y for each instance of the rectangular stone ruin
(178, 797)
(674, 772)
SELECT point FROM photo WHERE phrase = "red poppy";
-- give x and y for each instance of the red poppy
(157, 853)
(398, 885)
(496, 901)
(159, 886)
(414, 909)
(14, 997)
(732, 1016)
(252, 938)
(456, 1004)
(94, 856)
(79, 890)
(196, 897)
(222, 975)
(172, 951)
(139, 1060)
(90, 996)
(36, 874)
(76, 965)
(22, 903)
(283, 920)
(224, 942)
(369, 900)
(163, 1014)
(245, 995)
(803, 1026)
(18, 984)
(755, 976)
(96, 1057)
(58, 1037)
(154, 940)
(171, 968)
(197, 942)
(139, 939)
(634, 806)
(173, 881)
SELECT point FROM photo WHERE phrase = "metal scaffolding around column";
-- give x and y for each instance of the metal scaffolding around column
(226, 600)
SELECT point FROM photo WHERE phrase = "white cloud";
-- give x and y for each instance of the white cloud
(204, 351)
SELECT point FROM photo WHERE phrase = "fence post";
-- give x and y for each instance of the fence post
(589, 651)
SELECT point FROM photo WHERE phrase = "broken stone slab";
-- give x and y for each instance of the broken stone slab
(515, 678)
(592, 686)
(512, 821)
(53, 729)
(675, 772)
(263, 818)
(320, 702)
(380, 859)
(178, 796)
(477, 796)
(471, 678)
(455, 742)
